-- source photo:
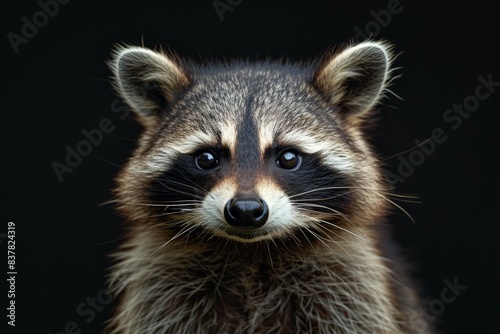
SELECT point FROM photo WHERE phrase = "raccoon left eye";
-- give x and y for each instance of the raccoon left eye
(288, 159)
(206, 160)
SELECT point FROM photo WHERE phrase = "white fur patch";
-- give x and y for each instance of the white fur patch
(266, 132)
(157, 162)
(228, 136)
(283, 217)
(193, 142)
(333, 155)
(214, 202)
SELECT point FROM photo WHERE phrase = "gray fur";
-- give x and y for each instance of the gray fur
(313, 267)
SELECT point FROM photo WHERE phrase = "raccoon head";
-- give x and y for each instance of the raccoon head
(253, 151)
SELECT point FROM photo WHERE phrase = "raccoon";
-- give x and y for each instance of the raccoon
(253, 202)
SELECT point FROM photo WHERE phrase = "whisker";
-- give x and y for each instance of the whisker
(269, 252)
(109, 162)
(220, 252)
(362, 237)
(320, 199)
(399, 207)
(315, 190)
(162, 205)
(166, 204)
(383, 193)
(197, 189)
(163, 214)
(176, 190)
(406, 151)
(309, 241)
(282, 239)
(178, 234)
(402, 197)
(338, 188)
(196, 185)
(318, 237)
(322, 230)
(327, 208)
(148, 215)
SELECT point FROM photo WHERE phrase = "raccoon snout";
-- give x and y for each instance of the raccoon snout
(246, 211)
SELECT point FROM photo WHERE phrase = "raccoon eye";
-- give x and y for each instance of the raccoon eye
(206, 160)
(288, 159)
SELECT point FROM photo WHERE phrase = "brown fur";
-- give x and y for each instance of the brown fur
(316, 265)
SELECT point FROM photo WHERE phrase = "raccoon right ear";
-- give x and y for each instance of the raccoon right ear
(356, 78)
(147, 80)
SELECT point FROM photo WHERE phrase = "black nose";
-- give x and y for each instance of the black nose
(246, 211)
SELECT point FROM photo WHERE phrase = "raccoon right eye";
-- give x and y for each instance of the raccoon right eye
(288, 159)
(206, 160)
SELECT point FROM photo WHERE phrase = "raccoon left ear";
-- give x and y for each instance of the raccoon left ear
(356, 78)
(147, 80)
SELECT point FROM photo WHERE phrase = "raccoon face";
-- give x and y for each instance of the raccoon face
(252, 152)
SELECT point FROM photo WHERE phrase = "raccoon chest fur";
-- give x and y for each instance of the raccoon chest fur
(256, 292)
(253, 202)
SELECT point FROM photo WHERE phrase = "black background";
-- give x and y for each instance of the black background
(57, 85)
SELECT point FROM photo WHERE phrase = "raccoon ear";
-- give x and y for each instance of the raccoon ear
(147, 80)
(355, 79)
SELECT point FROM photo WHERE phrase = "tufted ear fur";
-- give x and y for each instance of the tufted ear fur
(147, 80)
(355, 79)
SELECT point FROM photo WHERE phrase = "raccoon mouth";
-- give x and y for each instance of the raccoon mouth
(252, 235)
